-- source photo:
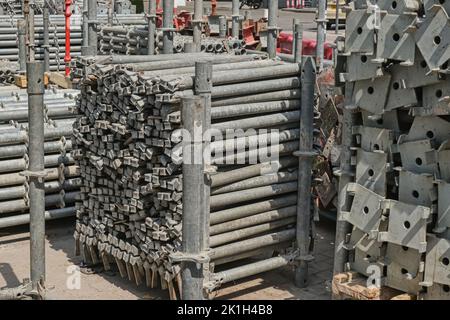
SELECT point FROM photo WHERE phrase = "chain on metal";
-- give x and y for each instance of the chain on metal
(56, 44)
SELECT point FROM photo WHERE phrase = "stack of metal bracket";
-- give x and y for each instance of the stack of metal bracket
(9, 36)
(397, 128)
(127, 142)
(130, 40)
(61, 182)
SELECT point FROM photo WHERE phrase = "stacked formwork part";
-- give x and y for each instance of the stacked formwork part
(10, 37)
(130, 40)
(128, 143)
(393, 220)
(62, 180)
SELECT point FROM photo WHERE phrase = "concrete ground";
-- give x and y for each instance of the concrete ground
(64, 281)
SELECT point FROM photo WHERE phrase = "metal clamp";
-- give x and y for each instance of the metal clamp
(201, 258)
(39, 175)
(305, 154)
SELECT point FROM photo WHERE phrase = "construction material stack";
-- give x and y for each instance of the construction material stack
(397, 130)
(62, 181)
(127, 142)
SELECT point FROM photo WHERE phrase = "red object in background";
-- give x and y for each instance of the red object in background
(183, 20)
(67, 14)
(214, 7)
(285, 41)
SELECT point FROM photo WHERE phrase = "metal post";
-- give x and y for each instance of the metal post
(298, 41)
(85, 46)
(272, 30)
(168, 26)
(336, 27)
(203, 88)
(197, 24)
(305, 154)
(345, 176)
(31, 49)
(151, 27)
(21, 30)
(35, 173)
(193, 193)
(46, 45)
(189, 47)
(235, 19)
(222, 26)
(110, 12)
(92, 27)
(321, 32)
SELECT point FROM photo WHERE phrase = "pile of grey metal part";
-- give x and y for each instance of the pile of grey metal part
(130, 40)
(395, 175)
(128, 145)
(62, 182)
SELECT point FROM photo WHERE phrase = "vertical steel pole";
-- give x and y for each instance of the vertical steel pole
(21, 30)
(235, 19)
(85, 29)
(197, 24)
(222, 26)
(110, 12)
(272, 30)
(203, 88)
(321, 32)
(193, 195)
(31, 49)
(92, 27)
(189, 47)
(36, 193)
(345, 176)
(336, 27)
(298, 41)
(151, 27)
(46, 45)
(305, 154)
(168, 26)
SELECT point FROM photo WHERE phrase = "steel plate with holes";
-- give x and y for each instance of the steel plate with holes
(362, 208)
(417, 75)
(443, 220)
(433, 38)
(437, 262)
(428, 5)
(394, 41)
(407, 225)
(388, 120)
(404, 268)
(361, 67)
(437, 292)
(359, 34)
(416, 188)
(436, 98)
(443, 158)
(418, 156)
(398, 6)
(371, 95)
(371, 169)
(434, 128)
(373, 139)
(399, 95)
(367, 253)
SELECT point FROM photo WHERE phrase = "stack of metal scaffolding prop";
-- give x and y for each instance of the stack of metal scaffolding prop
(7, 71)
(394, 180)
(130, 40)
(62, 180)
(9, 36)
(128, 143)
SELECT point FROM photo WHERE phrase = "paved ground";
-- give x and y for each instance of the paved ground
(61, 278)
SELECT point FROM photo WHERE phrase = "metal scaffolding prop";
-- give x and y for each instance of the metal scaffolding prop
(393, 223)
(139, 198)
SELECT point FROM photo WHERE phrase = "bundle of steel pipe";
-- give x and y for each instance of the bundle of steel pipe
(62, 182)
(128, 144)
(9, 36)
(131, 40)
(7, 71)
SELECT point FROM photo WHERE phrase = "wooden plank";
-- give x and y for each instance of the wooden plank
(60, 80)
(20, 80)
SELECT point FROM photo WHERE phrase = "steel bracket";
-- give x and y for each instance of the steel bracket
(371, 170)
(360, 36)
(417, 156)
(416, 188)
(437, 262)
(371, 95)
(200, 258)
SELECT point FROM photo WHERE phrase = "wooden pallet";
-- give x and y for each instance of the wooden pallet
(353, 286)
(20, 80)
